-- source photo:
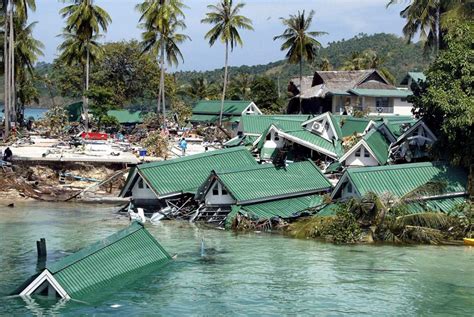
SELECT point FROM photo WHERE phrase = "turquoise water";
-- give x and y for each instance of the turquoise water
(36, 113)
(243, 274)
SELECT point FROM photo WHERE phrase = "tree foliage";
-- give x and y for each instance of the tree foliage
(446, 100)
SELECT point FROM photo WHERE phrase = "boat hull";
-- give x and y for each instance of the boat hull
(468, 241)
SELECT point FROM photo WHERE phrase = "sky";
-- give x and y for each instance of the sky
(342, 19)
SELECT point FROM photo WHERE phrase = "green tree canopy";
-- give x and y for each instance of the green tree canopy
(446, 100)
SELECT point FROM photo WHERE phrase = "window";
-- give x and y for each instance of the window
(215, 190)
(357, 153)
(349, 187)
(140, 183)
(366, 153)
(224, 192)
(382, 102)
(277, 137)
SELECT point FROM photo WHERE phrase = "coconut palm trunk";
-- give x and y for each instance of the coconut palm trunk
(6, 62)
(85, 100)
(162, 81)
(12, 108)
(301, 76)
(226, 62)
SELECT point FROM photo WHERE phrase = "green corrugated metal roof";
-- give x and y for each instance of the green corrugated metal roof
(335, 122)
(404, 178)
(415, 76)
(444, 205)
(317, 140)
(267, 182)
(123, 252)
(396, 126)
(283, 208)
(126, 116)
(209, 118)
(186, 174)
(381, 92)
(378, 144)
(231, 107)
(328, 210)
(258, 124)
(351, 125)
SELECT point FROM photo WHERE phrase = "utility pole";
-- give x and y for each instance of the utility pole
(6, 62)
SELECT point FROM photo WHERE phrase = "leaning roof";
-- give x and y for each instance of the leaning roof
(283, 208)
(231, 107)
(186, 174)
(378, 144)
(267, 182)
(123, 252)
(402, 179)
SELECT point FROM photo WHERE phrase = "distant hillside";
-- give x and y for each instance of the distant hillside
(400, 58)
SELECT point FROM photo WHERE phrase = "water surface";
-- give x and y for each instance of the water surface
(251, 274)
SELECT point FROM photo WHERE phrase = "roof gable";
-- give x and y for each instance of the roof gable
(186, 174)
(256, 125)
(123, 253)
(231, 107)
(267, 182)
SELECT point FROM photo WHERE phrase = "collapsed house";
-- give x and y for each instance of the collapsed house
(208, 112)
(155, 185)
(262, 191)
(429, 186)
(88, 271)
(250, 128)
(344, 92)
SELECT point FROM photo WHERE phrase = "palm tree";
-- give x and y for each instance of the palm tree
(27, 51)
(298, 40)
(162, 22)
(226, 20)
(356, 61)
(325, 64)
(432, 18)
(11, 8)
(84, 21)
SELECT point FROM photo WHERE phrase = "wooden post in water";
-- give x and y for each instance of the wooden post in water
(41, 249)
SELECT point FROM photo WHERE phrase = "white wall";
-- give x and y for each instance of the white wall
(142, 193)
(353, 160)
(252, 109)
(219, 199)
(402, 107)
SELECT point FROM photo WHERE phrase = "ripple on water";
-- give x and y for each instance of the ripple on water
(252, 274)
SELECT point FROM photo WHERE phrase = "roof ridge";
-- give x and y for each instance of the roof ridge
(96, 247)
(192, 157)
(395, 167)
(263, 166)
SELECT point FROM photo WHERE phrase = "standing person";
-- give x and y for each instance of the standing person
(183, 145)
(7, 155)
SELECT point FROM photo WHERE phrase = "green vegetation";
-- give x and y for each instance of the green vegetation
(162, 20)
(226, 21)
(84, 22)
(399, 56)
(446, 99)
(369, 219)
(299, 42)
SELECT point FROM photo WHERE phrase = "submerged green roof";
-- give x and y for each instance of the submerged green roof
(445, 205)
(186, 174)
(126, 116)
(402, 179)
(267, 182)
(231, 107)
(378, 144)
(123, 252)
